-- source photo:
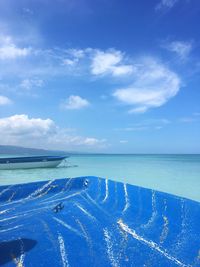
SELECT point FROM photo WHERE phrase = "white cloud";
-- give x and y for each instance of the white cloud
(182, 49)
(109, 62)
(73, 56)
(92, 141)
(20, 125)
(37, 132)
(77, 53)
(28, 84)
(153, 85)
(195, 117)
(69, 62)
(150, 124)
(9, 50)
(62, 139)
(122, 70)
(165, 4)
(147, 83)
(188, 119)
(123, 141)
(4, 100)
(134, 128)
(75, 102)
(101, 62)
(141, 109)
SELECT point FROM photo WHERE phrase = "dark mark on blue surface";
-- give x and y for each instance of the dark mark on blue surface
(58, 207)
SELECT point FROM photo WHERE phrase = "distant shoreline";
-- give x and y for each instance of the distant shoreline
(7, 149)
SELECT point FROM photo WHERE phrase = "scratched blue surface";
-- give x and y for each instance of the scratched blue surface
(89, 221)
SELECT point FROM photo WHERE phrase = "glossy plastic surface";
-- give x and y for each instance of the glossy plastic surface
(89, 221)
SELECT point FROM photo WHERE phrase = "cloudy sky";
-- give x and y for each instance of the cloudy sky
(100, 76)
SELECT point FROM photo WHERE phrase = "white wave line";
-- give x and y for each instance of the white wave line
(21, 201)
(59, 193)
(90, 199)
(25, 213)
(49, 233)
(98, 189)
(63, 251)
(13, 202)
(183, 215)
(109, 245)
(106, 195)
(20, 262)
(82, 228)
(63, 198)
(154, 212)
(127, 204)
(150, 244)
(181, 236)
(5, 211)
(86, 212)
(9, 218)
(87, 237)
(5, 190)
(165, 229)
(47, 199)
(67, 183)
(39, 190)
(9, 229)
(68, 226)
(11, 197)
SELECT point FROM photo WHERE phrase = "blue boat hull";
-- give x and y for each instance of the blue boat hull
(90, 221)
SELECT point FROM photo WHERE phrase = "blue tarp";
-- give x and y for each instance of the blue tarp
(89, 222)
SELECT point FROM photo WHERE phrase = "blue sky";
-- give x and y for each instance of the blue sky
(100, 76)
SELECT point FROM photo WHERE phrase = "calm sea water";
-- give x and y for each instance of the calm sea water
(176, 174)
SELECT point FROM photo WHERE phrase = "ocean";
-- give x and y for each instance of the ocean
(175, 174)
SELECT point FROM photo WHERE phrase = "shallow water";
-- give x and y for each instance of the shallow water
(175, 174)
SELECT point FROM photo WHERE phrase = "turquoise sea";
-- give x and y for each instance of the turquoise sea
(175, 174)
